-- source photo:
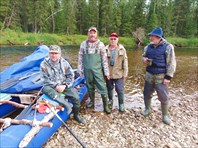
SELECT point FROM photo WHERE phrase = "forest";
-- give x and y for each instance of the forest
(178, 18)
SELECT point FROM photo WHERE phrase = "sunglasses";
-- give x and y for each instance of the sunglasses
(113, 39)
(54, 53)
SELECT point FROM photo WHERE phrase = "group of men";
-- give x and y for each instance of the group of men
(106, 67)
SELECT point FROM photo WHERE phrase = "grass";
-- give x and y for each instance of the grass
(183, 42)
(20, 38)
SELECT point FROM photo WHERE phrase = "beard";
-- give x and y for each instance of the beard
(155, 42)
(92, 39)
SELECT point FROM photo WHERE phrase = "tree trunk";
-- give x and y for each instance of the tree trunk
(24, 17)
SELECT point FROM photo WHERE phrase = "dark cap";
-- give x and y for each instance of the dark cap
(114, 35)
(157, 32)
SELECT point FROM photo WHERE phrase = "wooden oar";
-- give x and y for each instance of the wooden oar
(13, 81)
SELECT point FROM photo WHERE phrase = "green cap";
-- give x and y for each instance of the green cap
(55, 48)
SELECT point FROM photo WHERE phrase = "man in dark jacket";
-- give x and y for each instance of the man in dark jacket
(159, 56)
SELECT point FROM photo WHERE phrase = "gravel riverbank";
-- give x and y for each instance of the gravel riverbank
(131, 129)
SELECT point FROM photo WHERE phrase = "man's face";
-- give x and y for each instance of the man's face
(154, 39)
(113, 41)
(54, 56)
(92, 35)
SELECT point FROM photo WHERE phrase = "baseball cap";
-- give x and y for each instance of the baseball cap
(55, 48)
(92, 29)
(114, 35)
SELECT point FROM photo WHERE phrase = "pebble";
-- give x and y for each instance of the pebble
(131, 129)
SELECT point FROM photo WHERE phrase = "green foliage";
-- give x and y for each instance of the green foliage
(176, 17)
(126, 23)
(138, 14)
(10, 14)
(152, 20)
(92, 13)
(183, 42)
(20, 38)
(68, 17)
(80, 9)
(5, 9)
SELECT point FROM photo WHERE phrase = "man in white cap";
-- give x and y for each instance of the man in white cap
(93, 58)
(57, 77)
(118, 69)
(159, 56)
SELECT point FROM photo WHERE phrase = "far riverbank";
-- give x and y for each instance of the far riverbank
(10, 37)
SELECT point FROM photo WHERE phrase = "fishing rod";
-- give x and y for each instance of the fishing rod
(52, 109)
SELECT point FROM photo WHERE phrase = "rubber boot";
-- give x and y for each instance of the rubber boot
(68, 106)
(92, 99)
(105, 104)
(110, 96)
(147, 110)
(165, 117)
(121, 102)
(76, 116)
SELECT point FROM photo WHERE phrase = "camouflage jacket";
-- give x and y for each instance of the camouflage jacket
(53, 74)
(120, 67)
(91, 49)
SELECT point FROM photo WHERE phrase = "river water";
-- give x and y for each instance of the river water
(185, 81)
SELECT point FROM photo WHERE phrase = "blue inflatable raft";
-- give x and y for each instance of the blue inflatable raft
(29, 68)
(12, 136)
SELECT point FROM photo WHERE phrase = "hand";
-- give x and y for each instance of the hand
(60, 88)
(108, 77)
(80, 73)
(147, 61)
(166, 82)
(124, 78)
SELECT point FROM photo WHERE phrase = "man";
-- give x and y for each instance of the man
(57, 76)
(159, 56)
(118, 68)
(93, 58)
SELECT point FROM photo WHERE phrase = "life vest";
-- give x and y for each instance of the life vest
(158, 56)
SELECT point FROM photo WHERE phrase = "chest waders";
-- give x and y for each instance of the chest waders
(94, 77)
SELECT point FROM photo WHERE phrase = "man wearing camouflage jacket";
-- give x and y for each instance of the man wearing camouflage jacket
(57, 77)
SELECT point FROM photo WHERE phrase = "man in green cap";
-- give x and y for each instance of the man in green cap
(93, 58)
(57, 77)
(159, 56)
